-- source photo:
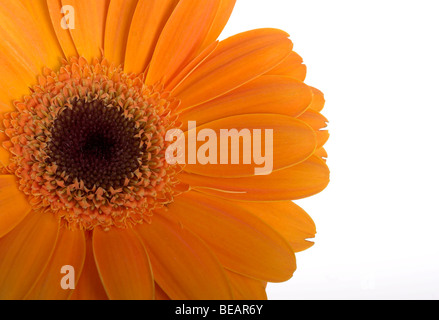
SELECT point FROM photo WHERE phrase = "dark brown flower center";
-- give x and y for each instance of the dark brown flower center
(96, 144)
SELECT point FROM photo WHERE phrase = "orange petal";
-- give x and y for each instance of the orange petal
(14, 205)
(182, 38)
(149, 19)
(20, 32)
(245, 288)
(321, 153)
(287, 218)
(300, 181)
(182, 264)
(292, 67)
(40, 13)
(266, 94)
(70, 250)
(318, 101)
(237, 60)
(191, 67)
(88, 35)
(64, 37)
(222, 17)
(160, 294)
(241, 241)
(89, 285)
(25, 252)
(4, 157)
(293, 142)
(123, 265)
(119, 18)
(18, 68)
(318, 122)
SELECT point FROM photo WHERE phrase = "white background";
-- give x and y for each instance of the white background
(378, 221)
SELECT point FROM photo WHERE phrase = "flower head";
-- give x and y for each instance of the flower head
(91, 94)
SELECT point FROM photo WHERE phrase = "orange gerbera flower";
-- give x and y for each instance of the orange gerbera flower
(89, 91)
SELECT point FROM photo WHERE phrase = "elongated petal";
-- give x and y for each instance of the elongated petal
(63, 35)
(119, 17)
(149, 19)
(318, 102)
(318, 122)
(22, 53)
(160, 294)
(14, 205)
(89, 285)
(222, 17)
(266, 94)
(292, 67)
(123, 265)
(321, 153)
(70, 250)
(293, 141)
(4, 157)
(20, 31)
(315, 119)
(237, 60)
(88, 34)
(191, 67)
(25, 252)
(296, 182)
(245, 288)
(182, 264)
(287, 218)
(182, 38)
(241, 241)
(41, 19)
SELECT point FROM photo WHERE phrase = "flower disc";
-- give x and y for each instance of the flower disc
(88, 143)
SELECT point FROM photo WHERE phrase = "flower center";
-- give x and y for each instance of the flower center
(97, 144)
(89, 145)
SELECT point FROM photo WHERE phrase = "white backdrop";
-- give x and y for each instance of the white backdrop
(378, 64)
